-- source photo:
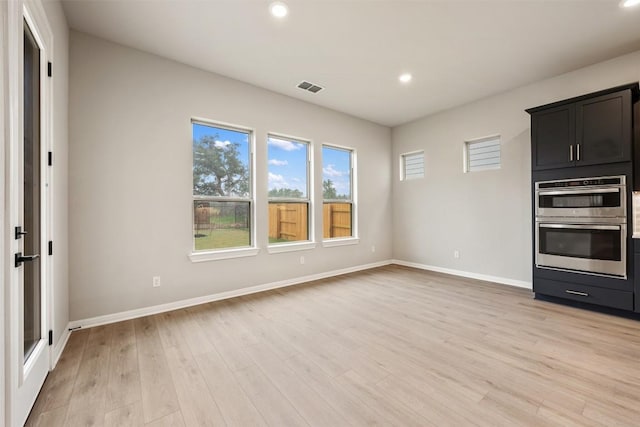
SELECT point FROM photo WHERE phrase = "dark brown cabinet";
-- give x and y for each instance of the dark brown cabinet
(588, 130)
(553, 137)
(587, 137)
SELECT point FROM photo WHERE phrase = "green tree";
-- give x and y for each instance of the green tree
(328, 190)
(217, 169)
(285, 192)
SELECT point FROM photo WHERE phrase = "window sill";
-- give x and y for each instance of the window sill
(224, 254)
(340, 242)
(291, 247)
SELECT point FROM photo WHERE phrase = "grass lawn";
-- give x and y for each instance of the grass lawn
(272, 240)
(223, 238)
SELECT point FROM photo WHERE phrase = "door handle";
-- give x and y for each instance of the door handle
(571, 153)
(19, 258)
(578, 152)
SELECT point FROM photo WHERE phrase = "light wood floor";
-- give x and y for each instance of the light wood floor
(391, 346)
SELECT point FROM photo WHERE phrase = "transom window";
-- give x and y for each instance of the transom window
(412, 165)
(222, 196)
(482, 154)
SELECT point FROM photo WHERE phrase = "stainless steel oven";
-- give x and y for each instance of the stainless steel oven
(603, 197)
(592, 248)
(581, 225)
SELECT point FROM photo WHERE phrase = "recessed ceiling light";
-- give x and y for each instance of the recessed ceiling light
(405, 78)
(629, 3)
(278, 9)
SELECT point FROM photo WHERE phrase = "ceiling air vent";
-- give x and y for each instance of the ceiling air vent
(310, 87)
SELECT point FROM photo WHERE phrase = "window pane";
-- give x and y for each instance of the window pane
(288, 222)
(336, 174)
(220, 162)
(336, 220)
(483, 154)
(288, 164)
(218, 225)
(413, 165)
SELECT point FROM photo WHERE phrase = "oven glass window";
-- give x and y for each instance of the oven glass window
(581, 243)
(588, 200)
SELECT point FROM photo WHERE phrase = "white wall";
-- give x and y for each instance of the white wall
(130, 179)
(485, 215)
(60, 76)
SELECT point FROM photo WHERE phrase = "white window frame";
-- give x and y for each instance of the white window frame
(235, 252)
(297, 245)
(403, 166)
(470, 142)
(353, 239)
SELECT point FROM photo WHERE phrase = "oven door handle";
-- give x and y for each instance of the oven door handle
(581, 227)
(571, 192)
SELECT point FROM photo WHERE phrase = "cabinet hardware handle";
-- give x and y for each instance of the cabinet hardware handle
(571, 153)
(578, 152)
(582, 294)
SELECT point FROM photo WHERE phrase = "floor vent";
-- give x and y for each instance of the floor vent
(310, 87)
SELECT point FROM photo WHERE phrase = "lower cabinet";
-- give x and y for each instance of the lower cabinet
(588, 294)
(637, 276)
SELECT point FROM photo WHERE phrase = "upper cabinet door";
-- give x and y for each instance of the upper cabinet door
(603, 129)
(552, 138)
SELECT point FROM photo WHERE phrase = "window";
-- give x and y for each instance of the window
(482, 154)
(412, 165)
(288, 164)
(222, 203)
(337, 192)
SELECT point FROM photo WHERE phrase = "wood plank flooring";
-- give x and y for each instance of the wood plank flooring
(392, 346)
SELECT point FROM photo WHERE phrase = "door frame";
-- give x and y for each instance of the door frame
(33, 13)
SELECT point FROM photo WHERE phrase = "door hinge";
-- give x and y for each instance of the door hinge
(49, 69)
(50, 158)
(50, 247)
(50, 337)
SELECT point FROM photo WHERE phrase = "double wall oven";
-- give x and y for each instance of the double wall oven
(581, 225)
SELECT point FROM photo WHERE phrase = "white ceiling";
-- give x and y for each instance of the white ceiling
(457, 50)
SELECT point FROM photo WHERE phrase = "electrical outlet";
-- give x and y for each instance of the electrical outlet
(456, 254)
(373, 248)
(156, 281)
(301, 260)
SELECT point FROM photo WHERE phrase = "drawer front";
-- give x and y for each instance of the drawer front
(588, 294)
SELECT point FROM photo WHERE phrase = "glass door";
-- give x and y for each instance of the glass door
(29, 206)
(32, 302)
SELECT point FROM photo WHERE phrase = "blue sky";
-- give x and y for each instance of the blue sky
(287, 159)
(336, 166)
(287, 164)
(225, 137)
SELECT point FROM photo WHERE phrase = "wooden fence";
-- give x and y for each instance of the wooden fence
(336, 220)
(288, 221)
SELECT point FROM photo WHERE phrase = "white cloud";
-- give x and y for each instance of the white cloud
(277, 181)
(342, 187)
(332, 172)
(276, 162)
(285, 145)
(222, 144)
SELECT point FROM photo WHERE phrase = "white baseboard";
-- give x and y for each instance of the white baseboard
(468, 274)
(60, 345)
(146, 311)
